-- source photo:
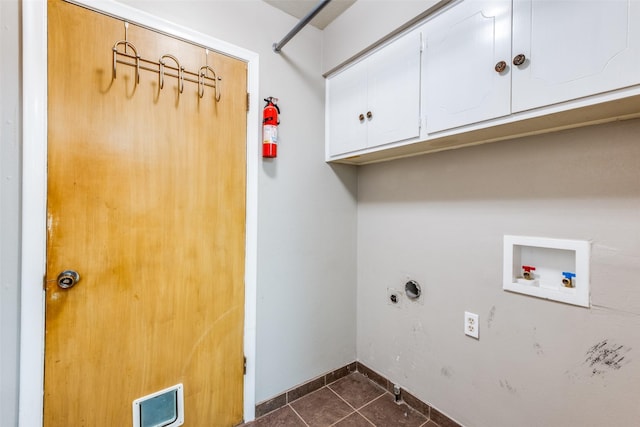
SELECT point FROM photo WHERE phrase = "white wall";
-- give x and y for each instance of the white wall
(365, 23)
(9, 210)
(307, 209)
(440, 219)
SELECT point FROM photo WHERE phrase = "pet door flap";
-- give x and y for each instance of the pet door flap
(164, 408)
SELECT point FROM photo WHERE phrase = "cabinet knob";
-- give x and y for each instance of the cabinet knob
(519, 59)
(369, 115)
(500, 66)
(361, 117)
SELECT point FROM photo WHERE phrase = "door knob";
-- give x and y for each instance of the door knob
(361, 117)
(519, 59)
(369, 115)
(68, 278)
(500, 66)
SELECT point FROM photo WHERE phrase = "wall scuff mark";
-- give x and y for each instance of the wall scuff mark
(492, 314)
(446, 371)
(538, 349)
(505, 384)
(606, 356)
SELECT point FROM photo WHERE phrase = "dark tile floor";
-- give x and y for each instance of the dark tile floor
(352, 401)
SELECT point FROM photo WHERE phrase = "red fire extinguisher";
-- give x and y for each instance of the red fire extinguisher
(270, 124)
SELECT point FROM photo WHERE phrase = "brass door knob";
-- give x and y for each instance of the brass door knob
(519, 59)
(500, 66)
(361, 117)
(369, 115)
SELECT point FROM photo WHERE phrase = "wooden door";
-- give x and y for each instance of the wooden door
(146, 201)
(464, 44)
(573, 49)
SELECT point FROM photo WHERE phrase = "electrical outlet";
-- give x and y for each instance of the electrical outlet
(471, 324)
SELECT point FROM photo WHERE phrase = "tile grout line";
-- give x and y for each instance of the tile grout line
(350, 405)
(357, 410)
(341, 398)
(367, 419)
(344, 418)
(298, 415)
(429, 420)
(384, 391)
(363, 416)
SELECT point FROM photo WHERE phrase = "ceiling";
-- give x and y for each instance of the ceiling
(300, 9)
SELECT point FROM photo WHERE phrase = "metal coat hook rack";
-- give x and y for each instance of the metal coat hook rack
(206, 76)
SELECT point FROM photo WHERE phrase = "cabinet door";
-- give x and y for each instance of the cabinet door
(346, 101)
(574, 48)
(394, 91)
(464, 44)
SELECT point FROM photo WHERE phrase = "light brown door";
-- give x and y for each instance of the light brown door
(146, 201)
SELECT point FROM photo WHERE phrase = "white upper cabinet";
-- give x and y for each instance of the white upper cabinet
(394, 91)
(481, 64)
(573, 49)
(346, 102)
(491, 70)
(463, 47)
(376, 101)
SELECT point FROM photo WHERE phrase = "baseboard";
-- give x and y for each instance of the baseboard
(297, 392)
(303, 389)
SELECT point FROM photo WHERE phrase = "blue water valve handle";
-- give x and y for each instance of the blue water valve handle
(567, 281)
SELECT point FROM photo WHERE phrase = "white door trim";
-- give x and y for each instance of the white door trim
(34, 194)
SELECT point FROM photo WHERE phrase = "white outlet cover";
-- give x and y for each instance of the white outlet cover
(471, 325)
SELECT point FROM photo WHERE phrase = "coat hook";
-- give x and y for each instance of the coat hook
(178, 66)
(115, 58)
(203, 73)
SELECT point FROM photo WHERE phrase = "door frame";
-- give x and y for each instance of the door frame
(34, 194)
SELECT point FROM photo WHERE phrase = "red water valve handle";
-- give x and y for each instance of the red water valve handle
(528, 268)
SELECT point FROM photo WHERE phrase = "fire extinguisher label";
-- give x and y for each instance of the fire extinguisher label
(270, 134)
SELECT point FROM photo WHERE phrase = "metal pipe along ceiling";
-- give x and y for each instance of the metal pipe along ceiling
(277, 47)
